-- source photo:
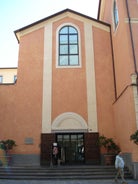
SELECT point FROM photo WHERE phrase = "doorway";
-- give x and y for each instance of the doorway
(71, 146)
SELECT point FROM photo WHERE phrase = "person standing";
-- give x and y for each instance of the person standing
(55, 153)
(119, 165)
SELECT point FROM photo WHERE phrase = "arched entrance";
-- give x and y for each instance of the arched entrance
(69, 128)
(76, 144)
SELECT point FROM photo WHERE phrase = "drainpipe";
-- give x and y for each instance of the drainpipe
(113, 64)
(132, 43)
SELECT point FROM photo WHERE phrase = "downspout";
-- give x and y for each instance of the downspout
(114, 76)
(132, 41)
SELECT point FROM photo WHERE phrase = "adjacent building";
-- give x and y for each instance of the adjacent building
(8, 75)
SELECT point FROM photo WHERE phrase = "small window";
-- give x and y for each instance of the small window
(68, 46)
(15, 78)
(115, 14)
(1, 79)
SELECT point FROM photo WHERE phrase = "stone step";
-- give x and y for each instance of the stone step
(61, 172)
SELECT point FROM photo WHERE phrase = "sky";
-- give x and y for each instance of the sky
(15, 14)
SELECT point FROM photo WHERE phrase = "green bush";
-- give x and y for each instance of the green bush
(134, 137)
(8, 144)
(108, 144)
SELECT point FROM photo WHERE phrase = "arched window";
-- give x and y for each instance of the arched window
(115, 14)
(68, 46)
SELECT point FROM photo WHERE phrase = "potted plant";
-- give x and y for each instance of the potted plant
(110, 149)
(134, 137)
(8, 146)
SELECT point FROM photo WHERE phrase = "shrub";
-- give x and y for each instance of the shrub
(134, 137)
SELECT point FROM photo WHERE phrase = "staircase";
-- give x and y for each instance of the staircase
(60, 172)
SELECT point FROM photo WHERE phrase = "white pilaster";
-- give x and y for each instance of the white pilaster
(135, 93)
(90, 77)
(47, 80)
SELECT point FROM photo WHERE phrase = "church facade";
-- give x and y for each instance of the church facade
(76, 80)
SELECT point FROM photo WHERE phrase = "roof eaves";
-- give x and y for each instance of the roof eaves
(39, 21)
(8, 67)
(56, 14)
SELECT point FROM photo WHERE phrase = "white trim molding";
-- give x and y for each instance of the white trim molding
(47, 80)
(90, 77)
(69, 122)
(135, 93)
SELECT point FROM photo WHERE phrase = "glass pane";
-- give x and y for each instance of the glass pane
(73, 151)
(64, 30)
(63, 39)
(74, 60)
(66, 140)
(59, 138)
(66, 137)
(116, 17)
(1, 78)
(73, 49)
(72, 30)
(63, 49)
(80, 137)
(73, 137)
(63, 60)
(73, 39)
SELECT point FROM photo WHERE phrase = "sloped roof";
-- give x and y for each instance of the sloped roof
(54, 15)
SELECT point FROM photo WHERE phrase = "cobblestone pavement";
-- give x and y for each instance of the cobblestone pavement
(64, 182)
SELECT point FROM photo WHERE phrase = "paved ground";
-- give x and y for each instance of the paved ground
(64, 182)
